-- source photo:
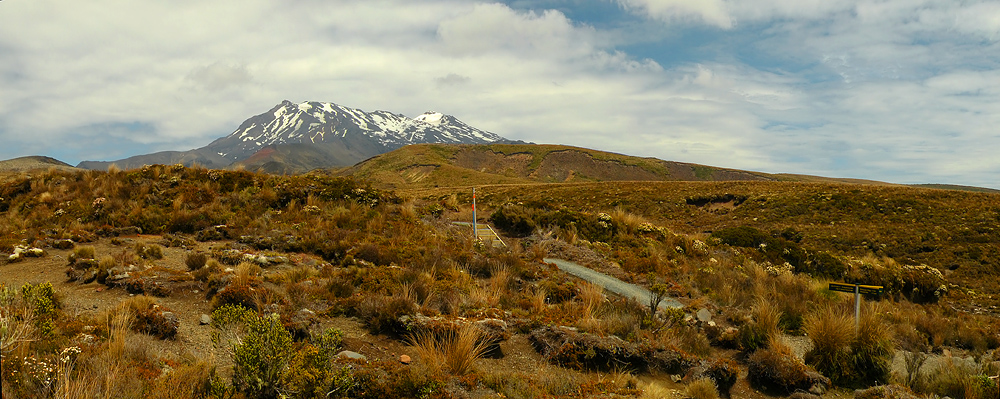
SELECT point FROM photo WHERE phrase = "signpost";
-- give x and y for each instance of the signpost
(857, 289)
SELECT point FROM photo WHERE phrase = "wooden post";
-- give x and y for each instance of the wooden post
(857, 307)
(475, 227)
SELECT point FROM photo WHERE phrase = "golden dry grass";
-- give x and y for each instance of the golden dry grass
(454, 352)
(702, 388)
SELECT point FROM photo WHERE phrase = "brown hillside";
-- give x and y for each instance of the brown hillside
(174, 282)
(32, 163)
(439, 165)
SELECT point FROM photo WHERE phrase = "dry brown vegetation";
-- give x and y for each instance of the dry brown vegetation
(281, 259)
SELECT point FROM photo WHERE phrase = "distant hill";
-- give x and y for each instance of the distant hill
(281, 140)
(439, 165)
(957, 187)
(290, 159)
(29, 163)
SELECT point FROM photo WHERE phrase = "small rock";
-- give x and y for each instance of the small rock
(405, 359)
(817, 389)
(172, 318)
(351, 355)
(205, 319)
(704, 315)
(278, 259)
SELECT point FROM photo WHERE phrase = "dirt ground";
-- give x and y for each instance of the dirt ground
(193, 340)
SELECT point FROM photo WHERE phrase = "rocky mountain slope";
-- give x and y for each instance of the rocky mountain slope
(346, 136)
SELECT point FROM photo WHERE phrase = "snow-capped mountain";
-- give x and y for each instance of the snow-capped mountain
(314, 135)
(322, 122)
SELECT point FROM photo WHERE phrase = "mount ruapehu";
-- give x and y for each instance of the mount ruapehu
(292, 138)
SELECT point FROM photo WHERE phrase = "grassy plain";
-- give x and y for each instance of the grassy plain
(293, 270)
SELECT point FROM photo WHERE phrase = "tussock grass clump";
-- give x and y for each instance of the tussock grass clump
(148, 317)
(762, 328)
(151, 251)
(872, 349)
(454, 351)
(702, 388)
(832, 333)
(83, 252)
(195, 261)
(848, 358)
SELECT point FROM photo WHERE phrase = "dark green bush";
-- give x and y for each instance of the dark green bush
(515, 221)
(724, 372)
(823, 264)
(775, 249)
(776, 369)
(381, 314)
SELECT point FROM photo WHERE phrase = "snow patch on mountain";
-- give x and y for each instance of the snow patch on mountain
(317, 122)
(431, 117)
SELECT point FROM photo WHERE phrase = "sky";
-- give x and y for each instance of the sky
(904, 91)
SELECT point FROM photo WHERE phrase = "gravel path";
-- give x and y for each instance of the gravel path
(612, 284)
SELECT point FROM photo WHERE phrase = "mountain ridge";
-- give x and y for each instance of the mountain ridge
(359, 135)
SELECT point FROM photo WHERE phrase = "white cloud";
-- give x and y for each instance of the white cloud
(900, 90)
(220, 76)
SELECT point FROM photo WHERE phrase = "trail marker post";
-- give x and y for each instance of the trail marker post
(475, 226)
(857, 290)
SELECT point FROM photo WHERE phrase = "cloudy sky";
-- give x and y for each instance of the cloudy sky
(905, 91)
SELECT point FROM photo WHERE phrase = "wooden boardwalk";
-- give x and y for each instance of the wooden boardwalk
(485, 233)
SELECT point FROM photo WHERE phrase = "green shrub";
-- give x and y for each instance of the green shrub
(311, 373)
(42, 300)
(260, 348)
